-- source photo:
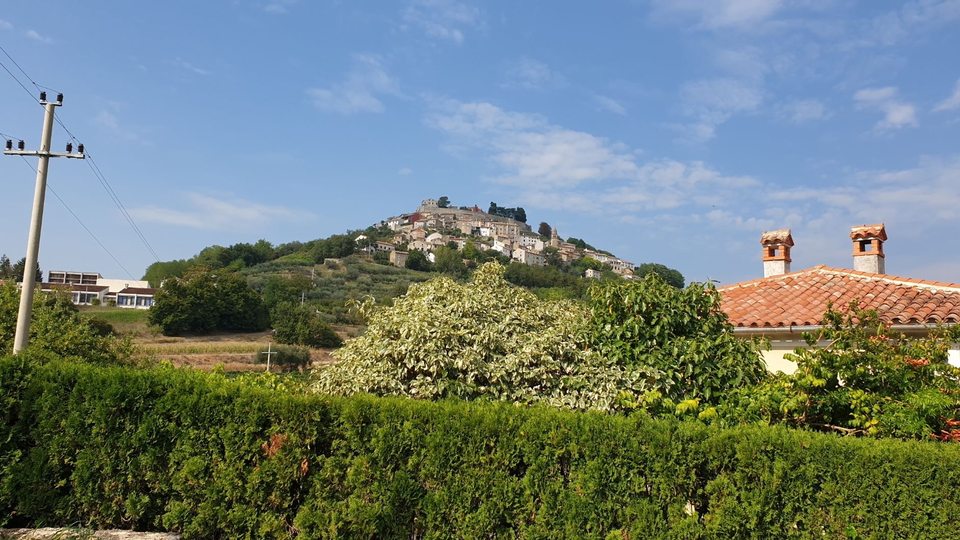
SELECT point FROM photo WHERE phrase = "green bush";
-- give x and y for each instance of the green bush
(298, 325)
(57, 329)
(485, 339)
(179, 450)
(286, 357)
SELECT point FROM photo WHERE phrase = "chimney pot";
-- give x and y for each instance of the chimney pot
(868, 248)
(776, 252)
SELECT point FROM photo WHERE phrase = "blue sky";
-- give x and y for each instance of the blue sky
(668, 131)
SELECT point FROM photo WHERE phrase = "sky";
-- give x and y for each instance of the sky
(664, 131)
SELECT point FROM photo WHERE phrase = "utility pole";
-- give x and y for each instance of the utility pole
(36, 219)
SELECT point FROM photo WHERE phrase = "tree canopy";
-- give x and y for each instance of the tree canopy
(204, 300)
(518, 213)
(681, 333)
(671, 276)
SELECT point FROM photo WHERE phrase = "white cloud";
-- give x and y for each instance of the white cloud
(406, 171)
(807, 110)
(532, 152)
(531, 74)
(279, 7)
(358, 92)
(229, 213)
(32, 34)
(609, 104)
(711, 102)
(4, 25)
(914, 18)
(897, 114)
(563, 169)
(719, 14)
(924, 197)
(190, 67)
(441, 19)
(951, 103)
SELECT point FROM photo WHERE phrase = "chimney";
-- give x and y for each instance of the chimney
(868, 248)
(776, 252)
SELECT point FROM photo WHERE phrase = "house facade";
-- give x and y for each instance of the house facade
(783, 304)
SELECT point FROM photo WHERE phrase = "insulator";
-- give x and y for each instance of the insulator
(60, 98)
(80, 148)
(43, 96)
(69, 147)
(9, 144)
(20, 145)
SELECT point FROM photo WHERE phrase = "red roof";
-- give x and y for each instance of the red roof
(800, 298)
(138, 290)
(73, 288)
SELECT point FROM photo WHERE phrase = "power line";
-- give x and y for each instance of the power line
(90, 162)
(97, 240)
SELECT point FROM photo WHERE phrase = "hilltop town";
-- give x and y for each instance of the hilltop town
(435, 224)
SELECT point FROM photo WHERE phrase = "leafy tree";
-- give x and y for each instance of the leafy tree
(443, 202)
(470, 250)
(671, 276)
(6, 269)
(580, 244)
(58, 330)
(294, 324)
(683, 334)
(551, 257)
(484, 339)
(858, 376)
(449, 261)
(545, 230)
(520, 214)
(337, 246)
(159, 271)
(18, 269)
(204, 300)
(417, 260)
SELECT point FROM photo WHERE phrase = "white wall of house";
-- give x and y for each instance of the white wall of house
(117, 285)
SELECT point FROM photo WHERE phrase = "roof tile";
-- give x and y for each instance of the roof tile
(800, 298)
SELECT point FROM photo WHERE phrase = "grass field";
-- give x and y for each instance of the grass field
(116, 315)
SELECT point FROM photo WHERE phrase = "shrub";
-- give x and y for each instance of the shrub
(58, 330)
(285, 356)
(867, 379)
(184, 451)
(299, 325)
(484, 339)
(681, 333)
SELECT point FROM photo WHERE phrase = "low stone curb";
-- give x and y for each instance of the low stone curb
(51, 533)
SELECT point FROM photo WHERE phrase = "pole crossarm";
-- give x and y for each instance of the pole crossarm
(44, 154)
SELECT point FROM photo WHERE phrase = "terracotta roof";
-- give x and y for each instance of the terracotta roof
(800, 298)
(73, 288)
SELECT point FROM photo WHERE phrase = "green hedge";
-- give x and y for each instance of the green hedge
(178, 450)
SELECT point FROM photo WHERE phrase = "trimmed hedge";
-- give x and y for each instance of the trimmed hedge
(169, 449)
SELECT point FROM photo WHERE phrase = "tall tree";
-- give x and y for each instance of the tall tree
(6, 269)
(545, 230)
(18, 269)
(204, 300)
(443, 202)
(671, 276)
